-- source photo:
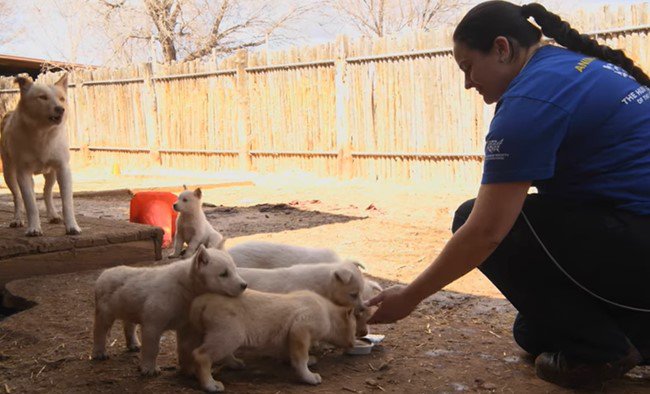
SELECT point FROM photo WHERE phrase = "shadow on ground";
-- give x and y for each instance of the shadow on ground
(231, 221)
(270, 218)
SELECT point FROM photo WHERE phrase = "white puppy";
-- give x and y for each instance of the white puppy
(370, 289)
(256, 254)
(35, 141)
(192, 227)
(158, 299)
(281, 325)
(341, 283)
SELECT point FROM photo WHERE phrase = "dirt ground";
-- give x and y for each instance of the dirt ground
(458, 340)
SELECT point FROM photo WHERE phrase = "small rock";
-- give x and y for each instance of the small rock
(512, 359)
(459, 387)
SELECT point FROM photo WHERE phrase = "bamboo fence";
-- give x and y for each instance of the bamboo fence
(390, 108)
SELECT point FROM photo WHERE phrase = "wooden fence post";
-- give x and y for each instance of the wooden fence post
(75, 79)
(150, 109)
(343, 140)
(243, 112)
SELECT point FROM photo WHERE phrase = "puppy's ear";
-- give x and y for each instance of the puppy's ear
(62, 82)
(358, 264)
(343, 275)
(200, 257)
(222, 244)
(25, 82)
(197, 192)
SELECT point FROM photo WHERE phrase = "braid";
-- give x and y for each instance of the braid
(554, 27)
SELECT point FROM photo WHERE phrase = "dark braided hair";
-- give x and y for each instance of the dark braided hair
(491, 19)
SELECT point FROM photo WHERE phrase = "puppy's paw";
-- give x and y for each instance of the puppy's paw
(214, 386)
(99, 355)
(149, 370)
(314, 379)
(56, 220)
(16, 223)
(74, 230)
(34, 232)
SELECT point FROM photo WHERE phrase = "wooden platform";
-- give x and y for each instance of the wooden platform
(103, 243)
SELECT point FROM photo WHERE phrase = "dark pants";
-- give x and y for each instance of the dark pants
(604, 249)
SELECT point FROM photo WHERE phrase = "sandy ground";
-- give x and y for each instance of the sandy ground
(458, 340)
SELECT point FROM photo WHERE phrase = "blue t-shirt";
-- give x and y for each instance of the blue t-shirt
(577, 127)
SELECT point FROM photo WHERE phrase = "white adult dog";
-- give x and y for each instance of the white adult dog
(192, 227)
(35, 141)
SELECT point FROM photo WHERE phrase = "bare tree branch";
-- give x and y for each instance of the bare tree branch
(383, 17)
(113, 5)
(191, 29)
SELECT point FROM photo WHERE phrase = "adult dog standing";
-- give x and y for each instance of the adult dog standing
(35, 141)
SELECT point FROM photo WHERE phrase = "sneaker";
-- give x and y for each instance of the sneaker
(558, 369)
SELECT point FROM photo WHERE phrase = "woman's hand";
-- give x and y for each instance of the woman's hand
(394, 304)
(496, 208)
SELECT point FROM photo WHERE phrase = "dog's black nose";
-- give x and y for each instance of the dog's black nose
(59, 110)
(244, 286)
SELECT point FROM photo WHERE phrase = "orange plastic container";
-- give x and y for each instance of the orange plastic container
(155, 209)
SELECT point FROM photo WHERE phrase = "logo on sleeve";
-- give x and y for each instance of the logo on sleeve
(493, 146)
(493, 150)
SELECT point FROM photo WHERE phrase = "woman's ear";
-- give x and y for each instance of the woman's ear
(503, 49)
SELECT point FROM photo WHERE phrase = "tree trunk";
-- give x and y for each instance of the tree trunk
(169, 50)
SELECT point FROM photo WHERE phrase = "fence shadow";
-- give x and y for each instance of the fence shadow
(270, 218)
(231, 221)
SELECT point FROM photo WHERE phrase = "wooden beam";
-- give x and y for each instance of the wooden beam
(83, 259)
